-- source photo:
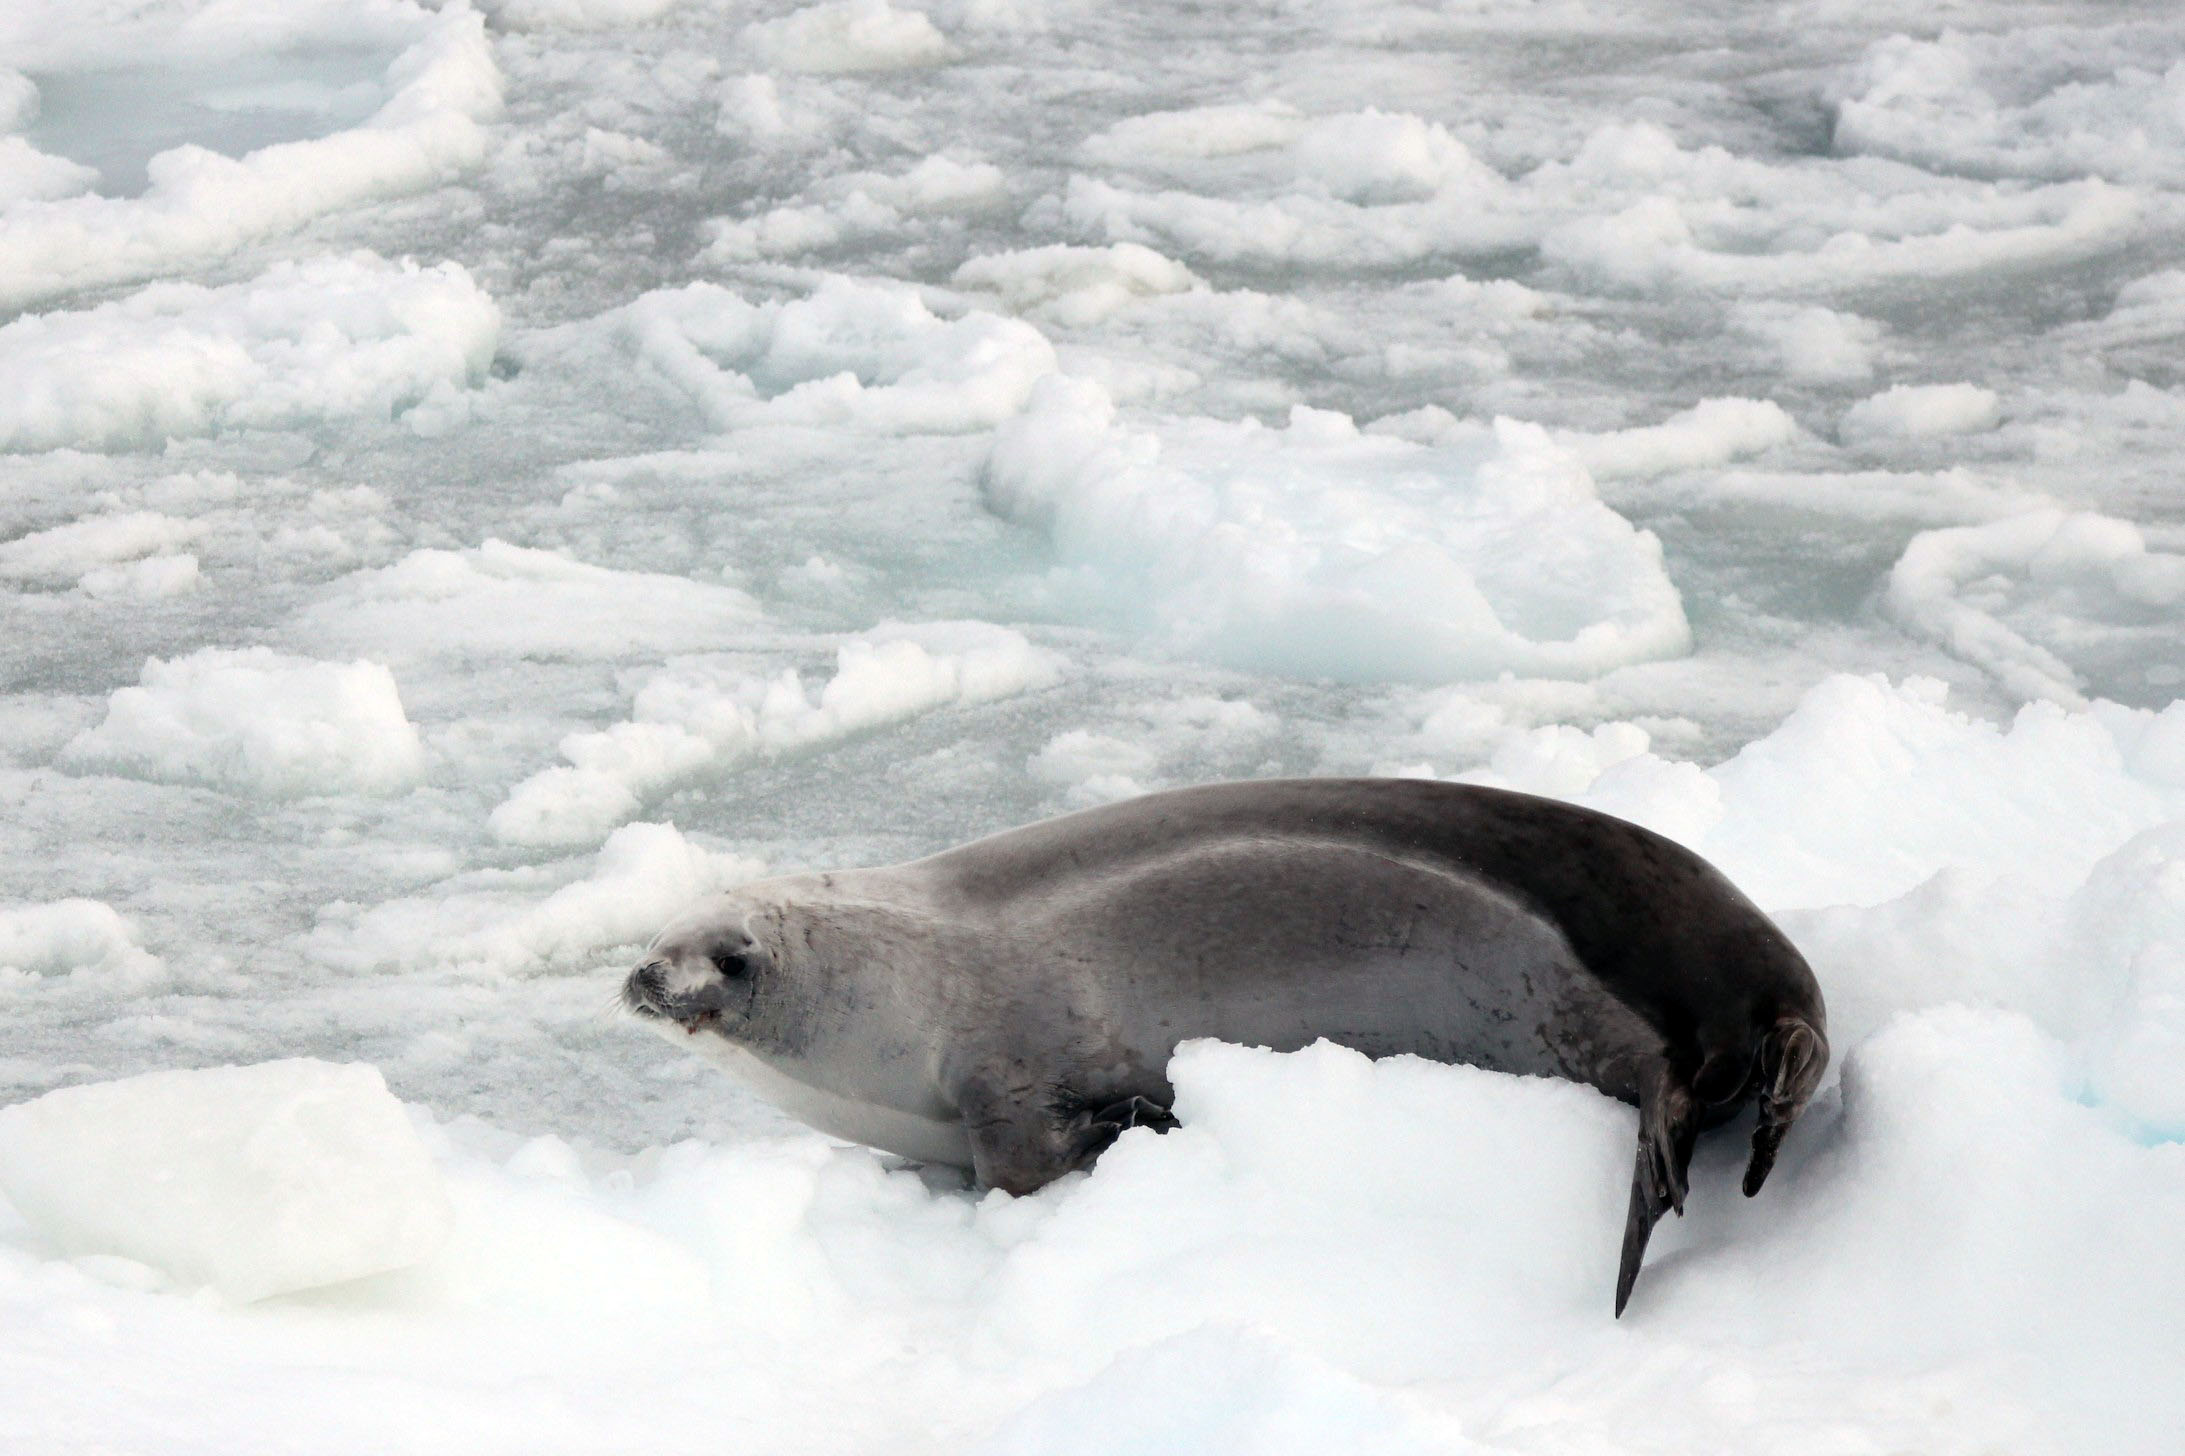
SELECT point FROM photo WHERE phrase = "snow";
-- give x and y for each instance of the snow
(299, 344)
(1922, 409)
(700, 717)
(80, 939)
(1320, 551)
(848, 35)
(257, 1181)
(850, 353)
(257, 722)
(201, 204)
(475, 477)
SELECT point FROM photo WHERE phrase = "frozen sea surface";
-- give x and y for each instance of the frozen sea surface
(472, 479)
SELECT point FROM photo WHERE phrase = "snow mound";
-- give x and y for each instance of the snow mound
(1356, 189)
(1712, 432)
(1814, 345)
(861, 206)
(1965, 587)
(1319, 551)
(848, 36)
(257, 722)
(1075, 286)
(1195, 134)
(498, 923)
(701, 719)
(1911, 410)
(499, 600)
(257, 1180)
(1393, 1252)
(335, 336)
(83, 940)
(2043, 101)
(76, 551)
(1870, 788)
(1163, 736)
(201, 204)
(1634, 211)
(18, 101)
(29, 174)
(1222, 1391)
(850, 354)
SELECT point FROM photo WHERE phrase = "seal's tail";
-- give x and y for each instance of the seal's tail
(1667, 1128)
(1793, 1055)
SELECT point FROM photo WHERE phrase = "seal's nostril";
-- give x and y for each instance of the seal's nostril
(647, 988)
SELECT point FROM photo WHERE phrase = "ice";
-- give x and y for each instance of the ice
(257, 1180)
(1271, 1401)
(498, 923)
(1198, 133)
(849, 354)
(1097, 768)
(2040, 102)
(18, 101)
(848, 35)
(1321, 551)
(254, 721)
(1075, 285)
(574, 14)
(27, 173)
(84, 547)
(1704, 219)
(1816, 345)
(476, 475)
(201, 204)
(863, 207)
(82, 940)
(1955, 585)
(701, 718)
(332, 337)
(1921, 409)
(1712, 432)
(497, 599)
(1367, 187)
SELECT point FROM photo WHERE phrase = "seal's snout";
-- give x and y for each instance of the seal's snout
(668, 989)
(645, 990)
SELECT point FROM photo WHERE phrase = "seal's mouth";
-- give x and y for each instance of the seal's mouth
(645, 994)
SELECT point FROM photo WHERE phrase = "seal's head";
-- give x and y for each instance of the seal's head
(705, 971)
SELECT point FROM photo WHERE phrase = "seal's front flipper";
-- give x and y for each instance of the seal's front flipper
(1793, 1055)
(1024, 1136)
(1666, 1131)
(1136, 1112)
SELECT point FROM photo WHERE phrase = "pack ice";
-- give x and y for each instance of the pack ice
(478, 474)
(256, 1180)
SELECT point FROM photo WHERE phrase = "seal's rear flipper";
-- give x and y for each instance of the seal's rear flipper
(1666, 1131)
(1793, 1055)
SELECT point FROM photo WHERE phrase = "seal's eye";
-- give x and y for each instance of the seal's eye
(730, 964)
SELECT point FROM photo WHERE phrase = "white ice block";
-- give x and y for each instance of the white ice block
(256, 1180)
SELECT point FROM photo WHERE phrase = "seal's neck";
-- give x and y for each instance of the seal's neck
(862, 968)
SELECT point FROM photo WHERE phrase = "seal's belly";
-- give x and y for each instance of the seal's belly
(925, 1139)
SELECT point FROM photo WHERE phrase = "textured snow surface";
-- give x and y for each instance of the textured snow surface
(477, 476)
(256, 1180)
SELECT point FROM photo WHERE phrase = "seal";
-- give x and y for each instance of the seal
(1010, 1006)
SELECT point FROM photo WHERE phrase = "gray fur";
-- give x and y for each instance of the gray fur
(1012, 1004)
